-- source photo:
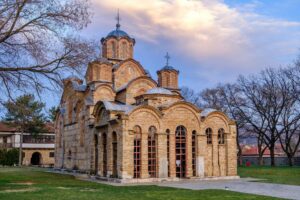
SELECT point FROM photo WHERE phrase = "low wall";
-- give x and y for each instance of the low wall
(279, 161)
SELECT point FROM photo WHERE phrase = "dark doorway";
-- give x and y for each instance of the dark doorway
(180, 152)
(36, 158)
(96, 153)
(115, 154)
(104, 142)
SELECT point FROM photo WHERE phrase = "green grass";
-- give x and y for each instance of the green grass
(34, 184)
(283, 175)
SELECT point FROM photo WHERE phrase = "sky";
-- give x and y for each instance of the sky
(209, 41)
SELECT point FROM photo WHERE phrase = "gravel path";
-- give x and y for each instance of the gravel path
(241, 185)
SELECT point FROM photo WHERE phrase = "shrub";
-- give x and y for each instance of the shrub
(9, 157)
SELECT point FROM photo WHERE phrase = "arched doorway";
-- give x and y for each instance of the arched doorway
(115, 153)
(180, 135)
(104, 147)
(36, 158)
(96, 153)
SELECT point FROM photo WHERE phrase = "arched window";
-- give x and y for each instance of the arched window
(209, 135)
(124, 50)
(69, 154)
(168, 150)
(194, 150)
(113, 49)
(180, 135)
(137, 152)
(152, 152)
(82, 124)
(221, 136)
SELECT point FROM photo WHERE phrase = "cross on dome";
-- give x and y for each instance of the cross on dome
(167, 56)
(118, 20)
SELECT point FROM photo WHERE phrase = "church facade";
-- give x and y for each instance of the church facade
(120, 123)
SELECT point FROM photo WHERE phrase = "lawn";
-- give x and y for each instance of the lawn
(35, 184)
(284, 175)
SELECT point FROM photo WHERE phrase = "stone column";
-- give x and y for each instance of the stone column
(201, 151)
(215, 169)
(162, 159)
(125, 151)
(144, 155)
(172, 155)
(231, 151)
(100, 154)
(188, 153)
(109, 152)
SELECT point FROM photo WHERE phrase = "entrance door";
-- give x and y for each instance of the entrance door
(36, 158)
(180, 135)
(115, 154)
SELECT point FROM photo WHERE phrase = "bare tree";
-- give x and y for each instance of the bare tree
(39, 42)
(190, 95)
(289, 124)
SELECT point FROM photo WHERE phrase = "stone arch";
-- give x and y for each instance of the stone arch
(138, 116)
(104, 92)
(126, 71)
(36, 158)
(214, 118)
(137, 87)
(185, 108)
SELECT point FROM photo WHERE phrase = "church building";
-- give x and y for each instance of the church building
(121, 124)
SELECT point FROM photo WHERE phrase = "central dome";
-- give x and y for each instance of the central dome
(118, 33)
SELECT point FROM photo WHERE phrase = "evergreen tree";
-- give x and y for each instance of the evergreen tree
(25, 114)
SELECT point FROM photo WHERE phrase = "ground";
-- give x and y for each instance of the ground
(282, 175)
(29, 183)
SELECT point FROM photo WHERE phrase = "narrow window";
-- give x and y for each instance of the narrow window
(209, 135)
(124, 50)
(137, 152)
(82, 124)
(152, 152)
(104, 142)
(180, 137)
(221, 138)
(194, 152)
(113, 49)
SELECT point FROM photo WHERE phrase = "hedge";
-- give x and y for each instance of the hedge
(9, 157)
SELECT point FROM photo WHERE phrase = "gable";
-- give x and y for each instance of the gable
(127, 71)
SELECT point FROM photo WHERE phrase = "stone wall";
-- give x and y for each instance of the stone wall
(45, 159)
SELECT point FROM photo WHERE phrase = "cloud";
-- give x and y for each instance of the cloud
(219, 39)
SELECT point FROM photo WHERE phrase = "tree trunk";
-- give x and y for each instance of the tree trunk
(291, 160)
(260, 159)
(20, 149)
(272, 155)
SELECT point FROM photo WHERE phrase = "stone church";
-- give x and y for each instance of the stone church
(120, 123)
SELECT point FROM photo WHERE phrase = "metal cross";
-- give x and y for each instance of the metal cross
(167, 58)
(118, 20)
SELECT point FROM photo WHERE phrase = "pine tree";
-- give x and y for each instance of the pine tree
(25, 114)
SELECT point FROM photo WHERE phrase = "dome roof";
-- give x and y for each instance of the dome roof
(168, 68)
(159, 90)
(118, 33)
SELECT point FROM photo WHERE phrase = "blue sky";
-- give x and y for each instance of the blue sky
(210, 41)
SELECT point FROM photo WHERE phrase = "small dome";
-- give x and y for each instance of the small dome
(168, 68)
(118, 33)
(159, 90)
